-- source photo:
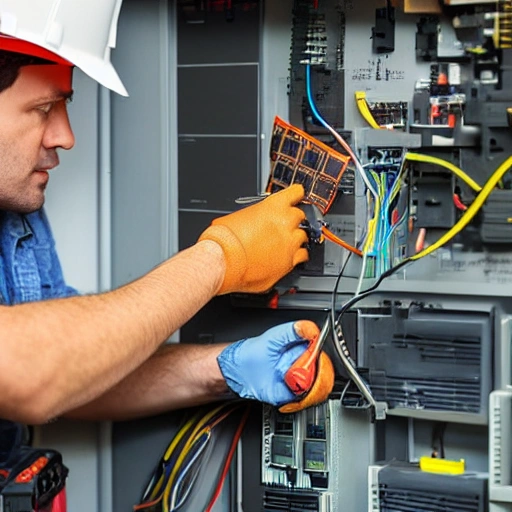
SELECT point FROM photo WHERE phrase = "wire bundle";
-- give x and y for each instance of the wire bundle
(174, 478)
(384, 219)
(382, 196)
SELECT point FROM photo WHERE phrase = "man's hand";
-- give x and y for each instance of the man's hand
(255, 368)
(320, 390)
(261, 243)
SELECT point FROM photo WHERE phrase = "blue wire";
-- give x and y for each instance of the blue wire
(311, 102)
(189, 462)
(384, 230)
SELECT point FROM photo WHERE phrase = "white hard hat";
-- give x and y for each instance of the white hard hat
(77, 32)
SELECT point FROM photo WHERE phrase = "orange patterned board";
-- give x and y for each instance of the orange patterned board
(296, 157)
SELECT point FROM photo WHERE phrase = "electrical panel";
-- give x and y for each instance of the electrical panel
(418, 98)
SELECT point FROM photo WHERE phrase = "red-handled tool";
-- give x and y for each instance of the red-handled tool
(302, 374)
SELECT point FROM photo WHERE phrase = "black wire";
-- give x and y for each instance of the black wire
(340, 343)
(335, 292)
(354, 300)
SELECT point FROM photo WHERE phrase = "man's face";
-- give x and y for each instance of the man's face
(33, 124)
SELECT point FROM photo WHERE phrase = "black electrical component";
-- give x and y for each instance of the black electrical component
(429, 360)
(487, 108)
(434, 199)
(421, 106)
(405, 487)
(470, 28)
(427, 38)
(384, 31)
(276, 499)
(496, 218)
(31, 479)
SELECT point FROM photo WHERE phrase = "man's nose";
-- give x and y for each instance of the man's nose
(58, 133)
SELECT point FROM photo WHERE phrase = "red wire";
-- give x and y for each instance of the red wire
(420, 241)
(232, 449)
(458, 203)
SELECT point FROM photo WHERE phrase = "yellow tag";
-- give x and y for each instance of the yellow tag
(451, 467)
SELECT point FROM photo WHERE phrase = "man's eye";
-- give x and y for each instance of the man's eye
(45, 109)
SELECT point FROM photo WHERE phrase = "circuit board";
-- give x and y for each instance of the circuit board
(299, 158)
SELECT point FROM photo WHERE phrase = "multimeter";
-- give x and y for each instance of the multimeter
(30, 478)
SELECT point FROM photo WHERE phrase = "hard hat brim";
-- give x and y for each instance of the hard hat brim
(102, 72)
(15, 45)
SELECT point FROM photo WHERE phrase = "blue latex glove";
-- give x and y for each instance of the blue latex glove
(255, 367)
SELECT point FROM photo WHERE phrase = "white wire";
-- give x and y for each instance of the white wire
(361, 275)
(173, 505)
(368, 184)
(354, 158)
(344, 144)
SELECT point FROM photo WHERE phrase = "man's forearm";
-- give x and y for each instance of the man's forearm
(176, 376)
(68, 352)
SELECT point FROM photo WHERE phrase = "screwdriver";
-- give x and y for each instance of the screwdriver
(302, 374)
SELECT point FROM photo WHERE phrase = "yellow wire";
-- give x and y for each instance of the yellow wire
(169, 451)
(364, 109)
(156, 489)
(470, 212)
(168, 487)
(370, 239)
(372, 223)
(198, 431)
(477, 50)
(416, 157)
(180, 434)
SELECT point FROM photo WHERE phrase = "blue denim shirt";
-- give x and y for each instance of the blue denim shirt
(30, 269)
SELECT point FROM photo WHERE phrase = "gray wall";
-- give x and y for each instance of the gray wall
(141, 140)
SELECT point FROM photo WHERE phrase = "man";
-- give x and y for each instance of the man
(102, 356)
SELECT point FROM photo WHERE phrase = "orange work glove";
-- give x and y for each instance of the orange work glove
(320, 390)
(261, 243)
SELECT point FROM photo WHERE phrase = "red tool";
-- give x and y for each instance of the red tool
(302, 374)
